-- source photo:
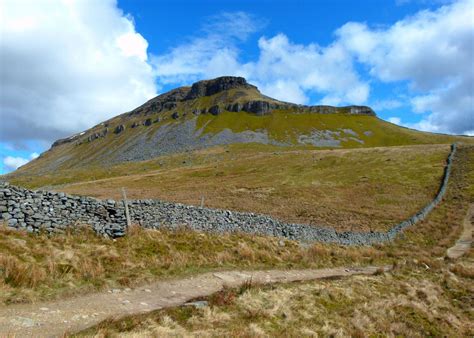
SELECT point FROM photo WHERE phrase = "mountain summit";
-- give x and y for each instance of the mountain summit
(218, 112)
(233, 94)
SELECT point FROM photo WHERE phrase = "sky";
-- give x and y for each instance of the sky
(66, 65)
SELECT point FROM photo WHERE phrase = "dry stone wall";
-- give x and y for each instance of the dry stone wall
(54, 212)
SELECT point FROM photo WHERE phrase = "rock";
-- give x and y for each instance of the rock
(135, 124)
(120, 128)
(170, 105)
(214, 86)
(361, 110)
(175, 115)
(198, 304)
(215, 110)
(257, 107)
(147, 123)
(236, 107)
(24, 321)
(12, 222)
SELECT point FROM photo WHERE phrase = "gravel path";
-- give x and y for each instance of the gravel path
(53, 319)
(463, 244)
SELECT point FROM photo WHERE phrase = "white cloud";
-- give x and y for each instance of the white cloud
(66, 65)
(434, 52)
(307, 68)
(395, 120)
(389, 104)
(12, 162)
(284, 70)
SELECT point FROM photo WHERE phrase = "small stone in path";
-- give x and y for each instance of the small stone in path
(198, 304)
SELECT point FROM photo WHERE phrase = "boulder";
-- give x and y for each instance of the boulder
(215, 110)
(120, 128)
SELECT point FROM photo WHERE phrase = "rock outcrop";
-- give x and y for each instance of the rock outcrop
(214, 86)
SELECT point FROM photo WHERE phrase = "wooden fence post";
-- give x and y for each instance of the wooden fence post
(202, 201)
(125, 203)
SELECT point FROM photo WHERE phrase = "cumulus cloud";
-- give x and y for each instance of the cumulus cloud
(213, 52)
(12, 162)
(306, 68)
(394, 120)
(278, 70)
(66, 65)
(389, 104)
(433, 51)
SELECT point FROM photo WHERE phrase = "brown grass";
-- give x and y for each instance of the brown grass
(39, 267)
(361, 190)
(423, 296)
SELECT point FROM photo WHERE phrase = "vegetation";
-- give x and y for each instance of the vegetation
(38, 267)
(413, 301)
(425, 295)
(358, 189)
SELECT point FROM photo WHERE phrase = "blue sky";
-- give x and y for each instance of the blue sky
(66, 66)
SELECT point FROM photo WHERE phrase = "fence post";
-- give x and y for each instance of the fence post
(202, 201)
(125, 203)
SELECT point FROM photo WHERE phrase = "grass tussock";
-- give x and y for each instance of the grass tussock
(38, 267)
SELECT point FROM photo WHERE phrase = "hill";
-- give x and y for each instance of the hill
(222, 111)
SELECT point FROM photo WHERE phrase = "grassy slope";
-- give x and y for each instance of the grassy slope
(348, 189)
(40, 267)
(424, 295)
(281, 126)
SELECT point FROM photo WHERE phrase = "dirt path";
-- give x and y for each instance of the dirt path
(53, 319)
(463, 244)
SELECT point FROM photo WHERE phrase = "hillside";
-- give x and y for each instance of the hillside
(222, 111)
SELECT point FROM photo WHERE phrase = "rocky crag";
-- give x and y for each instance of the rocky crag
(54, 212)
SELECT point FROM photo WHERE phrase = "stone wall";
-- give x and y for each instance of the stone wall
(54, 212)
